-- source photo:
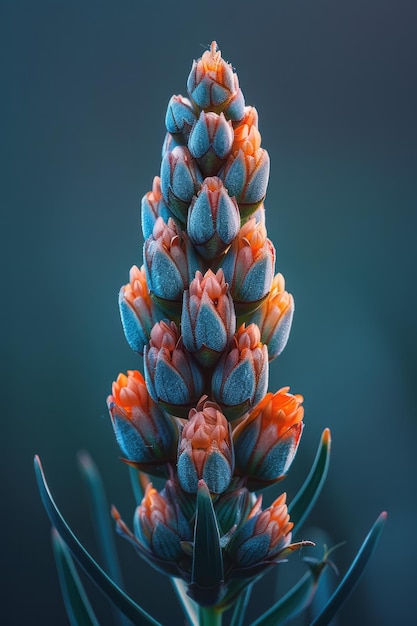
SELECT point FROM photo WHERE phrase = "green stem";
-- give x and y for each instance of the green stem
(210, 616)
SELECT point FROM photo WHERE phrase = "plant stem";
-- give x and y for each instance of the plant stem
(210, 616)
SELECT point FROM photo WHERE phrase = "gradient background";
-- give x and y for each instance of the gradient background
(84, 92)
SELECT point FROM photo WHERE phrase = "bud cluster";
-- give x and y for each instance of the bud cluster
(208, 315)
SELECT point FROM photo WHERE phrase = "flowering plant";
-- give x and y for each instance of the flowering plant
(208, 314)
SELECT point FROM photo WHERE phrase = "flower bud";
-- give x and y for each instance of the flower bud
(205, 450)
(249, 266)
(172, 376)
(160, 526)
(137, 310)
(235, 108)
(180, 180)
(212, 85)
(169, 261)
(240, 378)
(267, 439)
(208, 320)
(210, 141)
(274, 317)
(246, 172)
(179, 118)
(144, 433)
(264, 538)
(153, 206)
(213, 219)
(233, 507)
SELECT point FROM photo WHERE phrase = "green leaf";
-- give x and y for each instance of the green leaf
(240, 607)
(352, 575)
(132, 610)
(189, 606)
(78, 608)
(102, 523)
(298, 598)
(305, 499)
(207, 570)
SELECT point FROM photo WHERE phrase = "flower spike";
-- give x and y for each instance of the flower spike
(208, 315)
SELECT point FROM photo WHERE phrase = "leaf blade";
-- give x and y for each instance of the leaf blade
(305, 499)
(78, 607)
(132, 610)
(100, 512)
(353, 574)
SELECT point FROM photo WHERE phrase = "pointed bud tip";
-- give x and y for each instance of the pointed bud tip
(326, 437)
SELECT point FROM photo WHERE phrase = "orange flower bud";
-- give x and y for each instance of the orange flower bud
(137, 310)
(266, 440)
(249, 266)
(208, 320)
(264, 538)
(172, 376)
(213, 86)
(240, 378)
(274, 317)
(205, 450)
(144, 433)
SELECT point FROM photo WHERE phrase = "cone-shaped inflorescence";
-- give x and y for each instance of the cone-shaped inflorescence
(208, 315)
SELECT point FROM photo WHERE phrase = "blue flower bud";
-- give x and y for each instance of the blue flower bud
(245, 175)
(263, 539)
(172, 376)
(235, 108)
(240, 378)
(249, 266)
(137, 310)
(153, 206)
(274, 317)
(180, 180)
(267, 439)
(210, 141)
(146, 435)
(160, 526)
(205, 450)
(208, 320)
(211, 84)
(213, 219)
(169, 261)
(179, 118)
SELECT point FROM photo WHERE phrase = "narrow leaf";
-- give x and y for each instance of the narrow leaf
(240, 607)
(305, 499)
(78, 608)
(207, 569)
(290, 605)
(352, 575)
(132, 610)
(102, 524)
(189, 606)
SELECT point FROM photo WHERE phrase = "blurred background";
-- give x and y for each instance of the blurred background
(84, 91)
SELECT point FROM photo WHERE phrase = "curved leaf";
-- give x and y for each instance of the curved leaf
(78, 608)
(241, 606)
(189, 606)
(352, 575)
(102, 525)
(305, 499)
(207, 557)
(132, 610)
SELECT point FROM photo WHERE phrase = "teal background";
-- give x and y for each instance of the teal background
(84, 91)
